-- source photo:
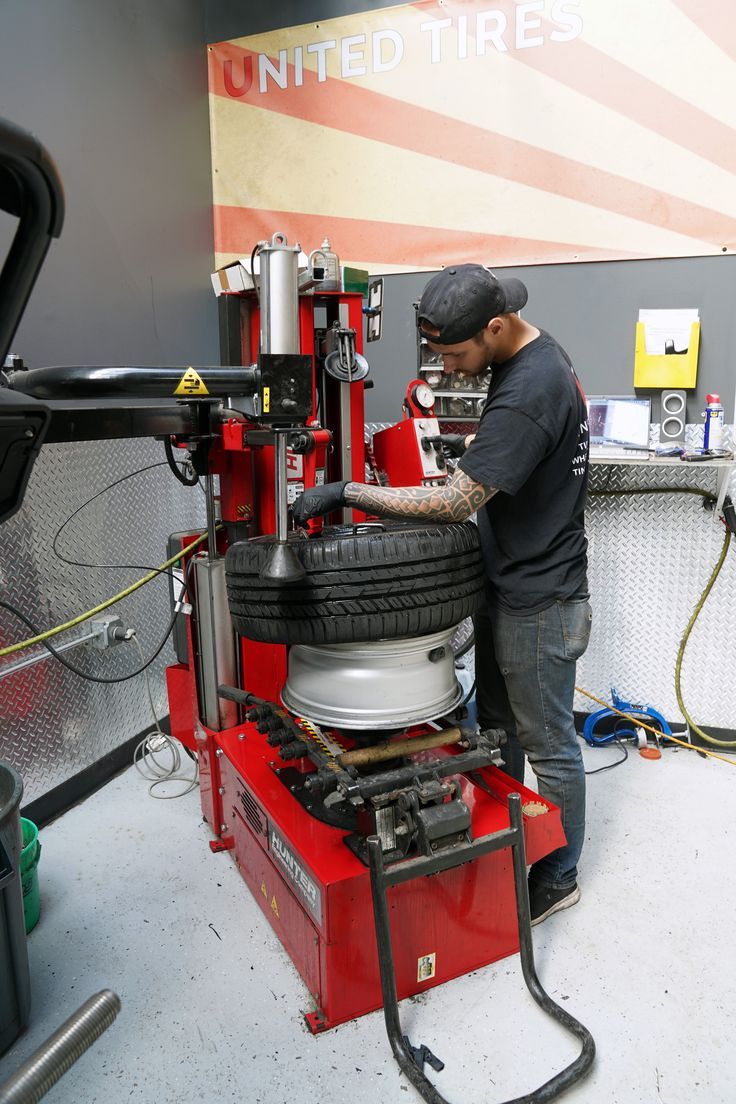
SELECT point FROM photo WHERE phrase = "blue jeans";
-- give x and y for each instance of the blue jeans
(525, 672)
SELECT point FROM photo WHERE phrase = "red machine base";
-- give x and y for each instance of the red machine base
(316, 894)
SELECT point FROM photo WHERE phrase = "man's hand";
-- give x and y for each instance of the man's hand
(453, 444)
(317, 501)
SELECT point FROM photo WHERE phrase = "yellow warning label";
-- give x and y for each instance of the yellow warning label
(426, 966)
(264, 891)
(266, 399)
(275, 907)
(191, 383)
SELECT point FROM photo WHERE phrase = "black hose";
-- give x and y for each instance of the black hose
(77, 670)
(466, 646)
(97, 678)
(188, 481)
(256, 249)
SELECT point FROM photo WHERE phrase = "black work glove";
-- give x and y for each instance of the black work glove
(318, 500)
(453, 444)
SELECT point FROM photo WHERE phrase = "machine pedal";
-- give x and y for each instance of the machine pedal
(422, 1056)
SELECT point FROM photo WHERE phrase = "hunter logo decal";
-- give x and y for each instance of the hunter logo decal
(304, 885)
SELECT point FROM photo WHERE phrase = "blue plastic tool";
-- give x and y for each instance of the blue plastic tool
(636, 709)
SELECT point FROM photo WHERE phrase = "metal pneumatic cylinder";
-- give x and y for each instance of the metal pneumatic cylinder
(279, 297)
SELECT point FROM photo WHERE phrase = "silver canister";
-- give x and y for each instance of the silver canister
(279, 297)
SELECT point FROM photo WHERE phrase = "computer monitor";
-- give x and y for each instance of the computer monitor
(619, 421)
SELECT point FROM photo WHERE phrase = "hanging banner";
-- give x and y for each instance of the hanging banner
(545, 131)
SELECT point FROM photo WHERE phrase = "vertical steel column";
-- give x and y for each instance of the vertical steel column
(209, 492)
(282, 504)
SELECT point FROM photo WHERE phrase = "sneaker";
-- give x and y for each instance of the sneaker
(544, 900)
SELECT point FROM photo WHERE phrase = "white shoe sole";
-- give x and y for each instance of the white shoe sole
(566, 902)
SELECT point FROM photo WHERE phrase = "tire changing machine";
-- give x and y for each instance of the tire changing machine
(342, 791)
(329, 822)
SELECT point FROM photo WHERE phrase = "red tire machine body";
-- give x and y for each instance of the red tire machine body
(315, 891)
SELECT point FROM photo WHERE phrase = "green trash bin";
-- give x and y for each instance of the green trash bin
(29, 857)
(15, 980)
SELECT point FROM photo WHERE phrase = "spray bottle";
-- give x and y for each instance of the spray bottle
(713, 414)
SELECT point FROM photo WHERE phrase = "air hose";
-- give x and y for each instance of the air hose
(729, 516)
(686, 635)
(39, 639)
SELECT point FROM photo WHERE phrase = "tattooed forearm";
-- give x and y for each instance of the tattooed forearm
(456, 501)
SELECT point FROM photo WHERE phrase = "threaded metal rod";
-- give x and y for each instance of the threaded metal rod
(61, 1050)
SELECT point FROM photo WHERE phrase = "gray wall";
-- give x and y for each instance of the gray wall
(233, 18)
(117, 92)
(592, 310)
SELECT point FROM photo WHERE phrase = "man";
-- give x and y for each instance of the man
(525, 473)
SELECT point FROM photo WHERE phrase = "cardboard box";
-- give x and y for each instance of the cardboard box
(233, 277)
(236, 276)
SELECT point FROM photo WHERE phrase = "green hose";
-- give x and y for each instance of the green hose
(710, 497)
(683, 644)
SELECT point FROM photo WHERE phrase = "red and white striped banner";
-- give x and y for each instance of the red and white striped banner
(437, 132)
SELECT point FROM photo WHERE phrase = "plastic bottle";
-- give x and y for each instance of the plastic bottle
(328, 260)
(713, 414)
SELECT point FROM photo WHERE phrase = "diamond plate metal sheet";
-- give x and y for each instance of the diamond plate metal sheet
(649, 561)
(52, 723)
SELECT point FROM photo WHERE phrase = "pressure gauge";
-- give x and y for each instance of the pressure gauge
(423, 396)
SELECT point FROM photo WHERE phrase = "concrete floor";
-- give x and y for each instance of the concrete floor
(132, 899)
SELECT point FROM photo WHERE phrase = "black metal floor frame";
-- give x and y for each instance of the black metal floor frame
(411, 1059)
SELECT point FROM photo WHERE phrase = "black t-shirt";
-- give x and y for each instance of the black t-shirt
(532, 445)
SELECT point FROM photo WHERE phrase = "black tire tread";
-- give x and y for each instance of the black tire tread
(405, 580)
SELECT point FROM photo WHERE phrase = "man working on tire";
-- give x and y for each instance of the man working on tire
(525, 473)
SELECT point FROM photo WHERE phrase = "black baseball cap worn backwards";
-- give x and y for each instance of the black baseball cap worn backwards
(459, 302)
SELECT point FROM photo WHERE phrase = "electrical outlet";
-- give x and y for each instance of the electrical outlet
(110, 631)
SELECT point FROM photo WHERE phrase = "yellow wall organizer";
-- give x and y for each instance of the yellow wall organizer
(671, 370)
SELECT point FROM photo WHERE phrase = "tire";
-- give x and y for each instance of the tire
(361, 584)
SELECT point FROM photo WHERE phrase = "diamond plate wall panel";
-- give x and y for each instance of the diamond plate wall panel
(649, 561)
(53, 723)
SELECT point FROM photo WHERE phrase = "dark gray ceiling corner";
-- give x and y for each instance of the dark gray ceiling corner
(225, 19)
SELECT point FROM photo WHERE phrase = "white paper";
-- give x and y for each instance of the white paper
(664, 326)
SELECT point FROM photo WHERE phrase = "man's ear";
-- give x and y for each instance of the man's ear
(496, 326)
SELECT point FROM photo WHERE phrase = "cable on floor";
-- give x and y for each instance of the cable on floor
(616, 762)
(157, 743)
(657, 732)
